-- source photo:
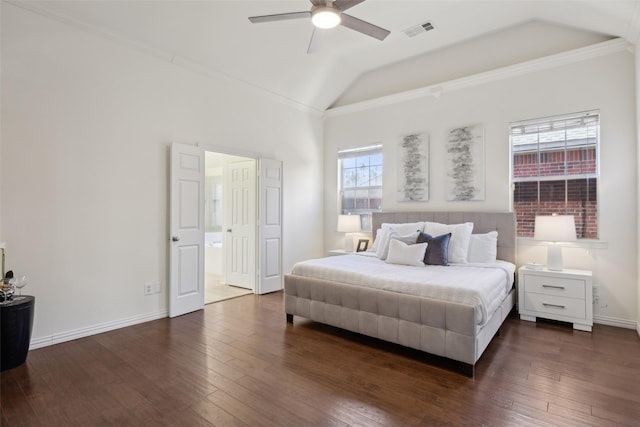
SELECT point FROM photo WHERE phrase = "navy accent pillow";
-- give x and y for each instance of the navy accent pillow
(437, 248)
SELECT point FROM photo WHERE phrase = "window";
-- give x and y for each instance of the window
(360, 182)
(555, 170)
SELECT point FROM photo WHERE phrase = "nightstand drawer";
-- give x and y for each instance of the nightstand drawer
(555, 305)
(572, 288)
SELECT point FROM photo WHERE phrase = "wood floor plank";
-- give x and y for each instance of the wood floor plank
(304, 408)
(216, 415)
(240, 410)
(238, 363)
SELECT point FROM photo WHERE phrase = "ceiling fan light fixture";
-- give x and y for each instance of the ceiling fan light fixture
(325, 17)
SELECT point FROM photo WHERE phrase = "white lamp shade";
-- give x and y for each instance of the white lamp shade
(555, 228)
(348, 223)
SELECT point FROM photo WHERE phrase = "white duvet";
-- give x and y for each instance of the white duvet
(483, 286)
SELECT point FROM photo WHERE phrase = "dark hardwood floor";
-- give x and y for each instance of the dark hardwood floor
(239, 363)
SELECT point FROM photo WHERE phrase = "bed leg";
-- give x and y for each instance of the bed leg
(467, 369)
(289, 318)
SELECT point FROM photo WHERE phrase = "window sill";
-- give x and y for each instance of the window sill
(582, 243)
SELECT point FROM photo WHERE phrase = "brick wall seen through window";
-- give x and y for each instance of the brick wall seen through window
(555, 170)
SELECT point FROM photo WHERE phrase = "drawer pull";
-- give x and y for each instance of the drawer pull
(553, 287)
(553, 305)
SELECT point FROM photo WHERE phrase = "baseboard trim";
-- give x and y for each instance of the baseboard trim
(96, 329)
(620, 323)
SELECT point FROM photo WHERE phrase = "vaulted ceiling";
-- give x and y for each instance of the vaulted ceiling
(217, 37)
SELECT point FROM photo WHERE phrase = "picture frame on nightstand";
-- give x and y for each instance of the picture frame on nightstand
(363, 244)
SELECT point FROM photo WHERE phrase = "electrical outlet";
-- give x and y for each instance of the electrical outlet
(148, 288)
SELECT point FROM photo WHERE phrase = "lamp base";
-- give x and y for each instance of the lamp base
(348, 242)
(554, 258)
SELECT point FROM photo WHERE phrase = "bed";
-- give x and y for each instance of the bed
(355, 292)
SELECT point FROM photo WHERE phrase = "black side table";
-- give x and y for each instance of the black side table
(15, 330)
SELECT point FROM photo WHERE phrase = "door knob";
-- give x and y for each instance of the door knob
(228, 230)
(175, 238)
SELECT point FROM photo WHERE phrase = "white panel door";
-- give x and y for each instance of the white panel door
(240, 238)
(270, 234)
(186, 264)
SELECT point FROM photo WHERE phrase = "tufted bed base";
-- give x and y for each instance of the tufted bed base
(445, 329)
(436, 327)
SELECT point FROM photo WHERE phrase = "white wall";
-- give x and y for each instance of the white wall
(637, 79)
(605, 83)
(86, 124)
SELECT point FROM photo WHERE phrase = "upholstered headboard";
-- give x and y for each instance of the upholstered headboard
(502, 222)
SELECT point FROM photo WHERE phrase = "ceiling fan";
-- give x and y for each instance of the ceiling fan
(328, 14)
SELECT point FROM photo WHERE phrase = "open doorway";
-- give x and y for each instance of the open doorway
(251, 232)
(221, 247)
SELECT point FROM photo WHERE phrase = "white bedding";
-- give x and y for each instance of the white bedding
(483, 286)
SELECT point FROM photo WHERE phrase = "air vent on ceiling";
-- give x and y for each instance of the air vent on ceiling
(418, 29)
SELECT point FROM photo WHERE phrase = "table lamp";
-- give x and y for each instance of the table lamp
(554, 229)
(348, 224)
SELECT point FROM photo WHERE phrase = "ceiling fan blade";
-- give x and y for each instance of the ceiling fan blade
(317, 40)
(364, 27)
(312, 45)
(318, 2)
(343, 5)
(279, 17)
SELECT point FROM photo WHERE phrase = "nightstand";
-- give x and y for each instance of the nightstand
(565, 295)
(334, 252)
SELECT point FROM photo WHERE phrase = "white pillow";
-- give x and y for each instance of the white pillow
(483, 247)
(376, 241)
(386, 228)
(460, 237)
(403, 254)
(383, 242)
(404, 228)
(409, 239)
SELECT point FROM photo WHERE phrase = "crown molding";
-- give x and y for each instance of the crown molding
(548, 62)
(41, 8)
